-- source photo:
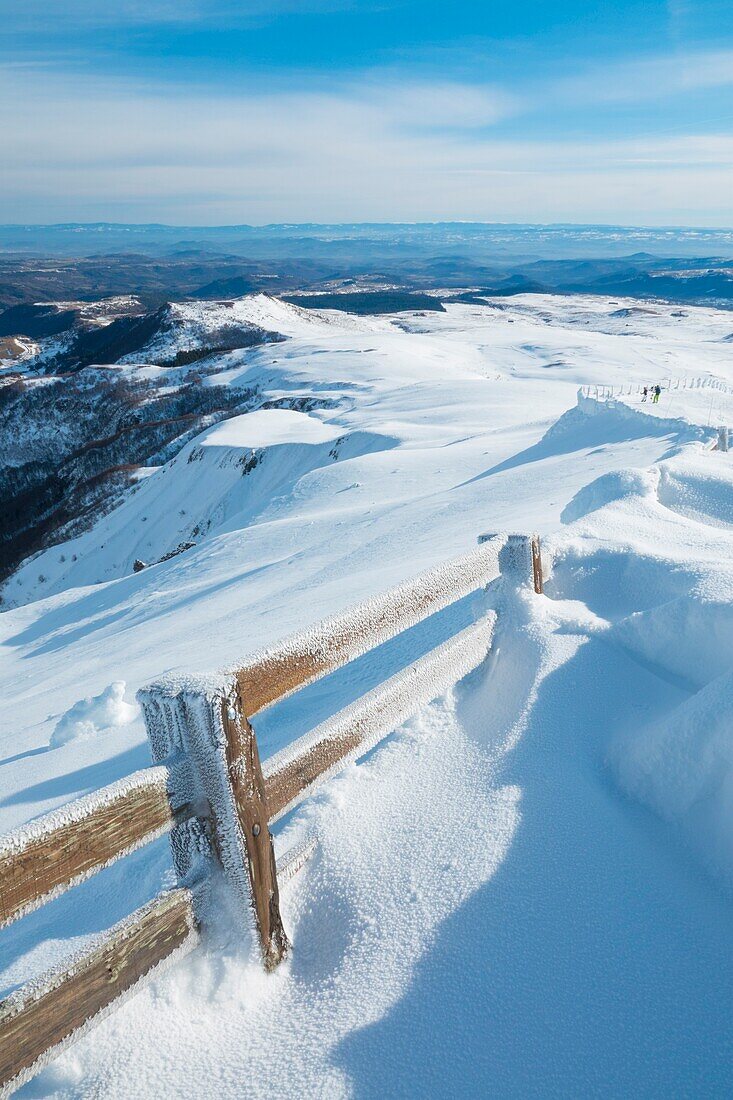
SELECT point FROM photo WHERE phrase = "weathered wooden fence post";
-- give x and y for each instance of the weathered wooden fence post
(250, 802)
(537, 564)
(520, 555)
(201, 731)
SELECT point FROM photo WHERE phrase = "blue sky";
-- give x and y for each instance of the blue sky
(339, 110)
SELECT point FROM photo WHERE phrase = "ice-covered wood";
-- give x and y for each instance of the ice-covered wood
(205, 721)
(291, 774)
(295, 858)
(190, 720)
(519, 558)
(537, 565)
(304, 657)
(66, 846)
(45, 1015)
(248, 795)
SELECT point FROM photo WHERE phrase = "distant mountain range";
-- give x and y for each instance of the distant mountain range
(482, 241)
(157, 264)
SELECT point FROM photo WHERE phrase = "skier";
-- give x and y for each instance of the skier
(657, 392)
(644, 393)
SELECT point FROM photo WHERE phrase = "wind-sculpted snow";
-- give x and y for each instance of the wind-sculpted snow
(698, 489)
(670, 607)
(682, 766)
(610, 487)
(654, 418)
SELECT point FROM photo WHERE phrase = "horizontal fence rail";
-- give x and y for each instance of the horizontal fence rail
(209, 791)
(278, 672)
(291, 774)
(208, 722)
(47, 1013)
(66, 846)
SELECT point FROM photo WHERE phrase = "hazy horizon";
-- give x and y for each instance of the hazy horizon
(383, 223)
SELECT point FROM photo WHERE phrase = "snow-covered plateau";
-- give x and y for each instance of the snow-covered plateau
(527, 889)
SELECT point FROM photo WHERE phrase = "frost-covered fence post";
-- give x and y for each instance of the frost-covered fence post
(204, 726)
(537, 564)
(722, 438)
(521, 556)
(250, 802)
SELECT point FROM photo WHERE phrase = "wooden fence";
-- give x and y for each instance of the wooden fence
(630, 389)
(209, 791)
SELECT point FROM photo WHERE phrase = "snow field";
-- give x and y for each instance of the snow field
(523, 892)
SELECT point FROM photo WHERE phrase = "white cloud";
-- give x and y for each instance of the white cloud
(441, 105)
(649, 79)
(89, 149)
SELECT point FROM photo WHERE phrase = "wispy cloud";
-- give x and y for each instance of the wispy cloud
(89, 148)
(49, 117)
(426, 105)
(648, 79)
(46, 15)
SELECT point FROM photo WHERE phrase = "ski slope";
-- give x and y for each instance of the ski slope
(525, 891)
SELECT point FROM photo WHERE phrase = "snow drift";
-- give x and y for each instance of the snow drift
(682, 766)
(94, 715)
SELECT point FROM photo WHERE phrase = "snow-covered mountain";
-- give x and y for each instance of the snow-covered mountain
(526, 890)
(116, 390)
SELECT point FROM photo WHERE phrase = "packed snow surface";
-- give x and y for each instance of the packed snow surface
(526, 889)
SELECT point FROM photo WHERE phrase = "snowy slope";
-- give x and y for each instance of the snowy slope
(558, 853)
(230, 476)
